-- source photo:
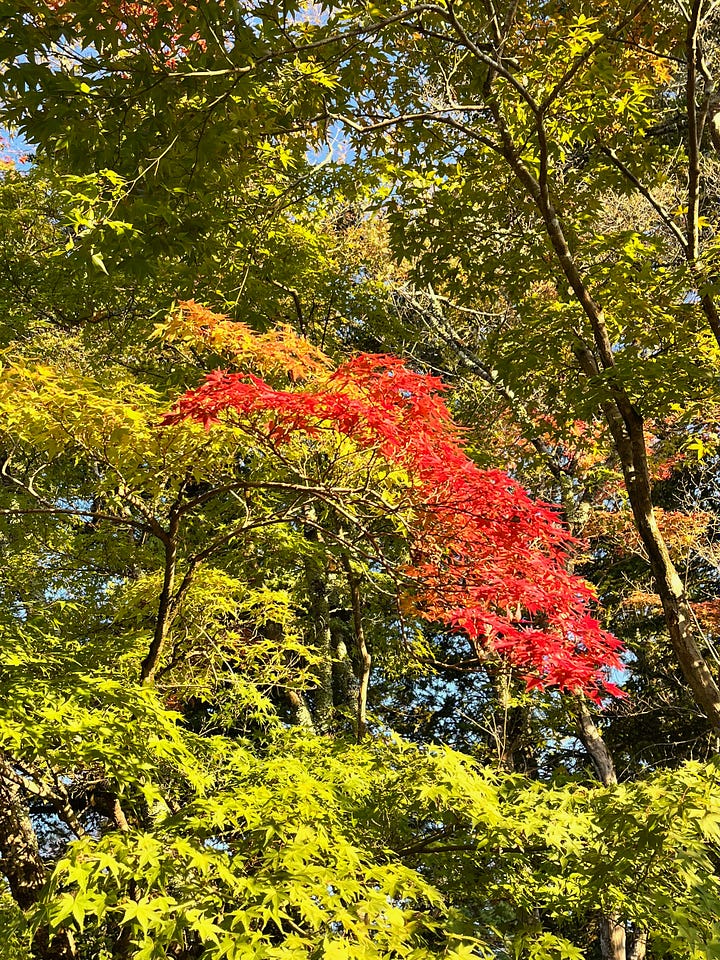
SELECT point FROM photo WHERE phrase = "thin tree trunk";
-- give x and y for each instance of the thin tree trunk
(612, 938)
(165, 605)
(316, 579)
(627, 430)
(639, 945)
(299, 710)
(612, 929)
(595, 745)
(320, 614)
(22, 865)
(364, 658)
(346, 685)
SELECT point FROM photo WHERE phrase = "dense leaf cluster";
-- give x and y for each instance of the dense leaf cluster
(295, 602)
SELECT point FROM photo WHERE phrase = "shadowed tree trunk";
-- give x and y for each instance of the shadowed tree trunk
(22, 865)
(613, 935)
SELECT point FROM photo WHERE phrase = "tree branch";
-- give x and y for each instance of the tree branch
(658, 207)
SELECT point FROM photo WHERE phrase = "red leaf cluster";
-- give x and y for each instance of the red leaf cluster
(487, 560)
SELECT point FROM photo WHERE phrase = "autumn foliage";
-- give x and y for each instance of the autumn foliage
(486, 559)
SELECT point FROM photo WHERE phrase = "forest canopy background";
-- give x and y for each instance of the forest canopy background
(358, 439)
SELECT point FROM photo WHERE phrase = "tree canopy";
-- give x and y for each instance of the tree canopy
(359, 480)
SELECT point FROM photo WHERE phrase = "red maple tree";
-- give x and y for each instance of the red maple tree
(486, 559)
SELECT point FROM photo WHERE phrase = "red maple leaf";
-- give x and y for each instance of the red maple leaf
(486, 559)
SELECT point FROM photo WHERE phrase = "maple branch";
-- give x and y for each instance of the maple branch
(354, 549)
(434, 320)
(421, 845)
(583, 57)
(151, 526)
(24, 775)
(280, 486)
(218, 542)
(473, 665)
(292, 292)
(453, 848)
(656, 54)
(658, 207)
(695, 61)
(435, 114)
(495, 65)
(76, 512)
(294, 50)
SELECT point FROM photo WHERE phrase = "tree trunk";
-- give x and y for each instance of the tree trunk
(22, 865)
(612, 929)
(639, 945)
(612, 938)
(363, 654)
(595, 745)
(316, 576)
(627, 430)
(320, 614)
(346, 686)
(680, 621)
(162, 623)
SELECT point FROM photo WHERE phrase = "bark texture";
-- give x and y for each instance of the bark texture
(22, 866)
